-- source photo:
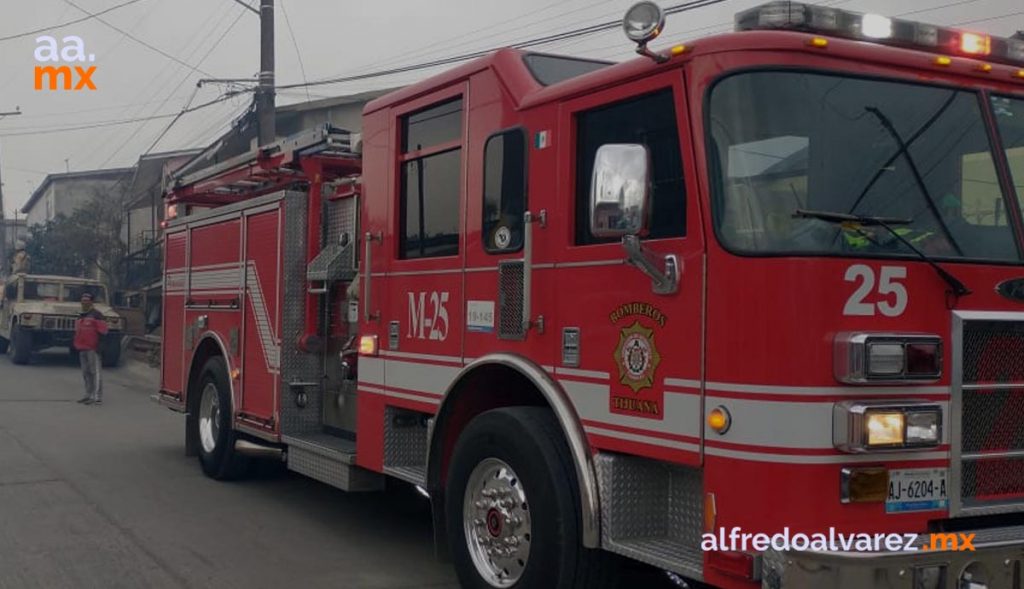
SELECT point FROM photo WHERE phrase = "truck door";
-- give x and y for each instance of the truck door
(423, 283)
(631, 358)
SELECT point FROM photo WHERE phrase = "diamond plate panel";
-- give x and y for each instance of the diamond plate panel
(652, 511)
(296, 366)
(337, 474)
(405, 438)
(510, 300)
(343, 219)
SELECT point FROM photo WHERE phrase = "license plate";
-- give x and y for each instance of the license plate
(917, 489)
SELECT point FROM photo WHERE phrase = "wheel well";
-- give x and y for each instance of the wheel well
(503, 386)
(208, 348)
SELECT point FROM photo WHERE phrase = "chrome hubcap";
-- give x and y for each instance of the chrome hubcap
(209, 418)
(496, 519)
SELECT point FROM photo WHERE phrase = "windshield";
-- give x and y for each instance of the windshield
(1009, 114)
(783, 141)
(42, 291)
(74, 292)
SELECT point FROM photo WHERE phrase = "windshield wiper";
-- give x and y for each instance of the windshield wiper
(918, 179)
(956, 288)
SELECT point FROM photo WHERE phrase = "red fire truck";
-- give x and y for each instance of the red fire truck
(769, 281)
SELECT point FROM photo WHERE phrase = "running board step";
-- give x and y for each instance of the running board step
(330, 460)
(641, 529)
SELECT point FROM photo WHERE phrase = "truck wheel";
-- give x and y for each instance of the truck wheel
(111, 351)
(512, 507)
(215, 434)
(20, 347)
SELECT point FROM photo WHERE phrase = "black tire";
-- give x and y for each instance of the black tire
(21, 345)
(530, 441)
(220, 462)
(110, 351)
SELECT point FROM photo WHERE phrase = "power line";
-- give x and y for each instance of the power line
(295, 43)
(183, 80)
(978, 20)
(138, 40)
(114, 123)
(588, 30)
(70, 22)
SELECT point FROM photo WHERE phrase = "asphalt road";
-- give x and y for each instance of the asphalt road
(104, 497)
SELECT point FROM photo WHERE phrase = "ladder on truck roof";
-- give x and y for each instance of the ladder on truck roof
(331, 152)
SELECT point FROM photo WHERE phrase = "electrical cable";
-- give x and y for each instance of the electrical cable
(295, 43)
(70, 22)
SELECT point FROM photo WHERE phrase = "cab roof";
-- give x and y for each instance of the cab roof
(525, 91)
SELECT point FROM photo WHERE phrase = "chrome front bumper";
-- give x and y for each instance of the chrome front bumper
(996, 563)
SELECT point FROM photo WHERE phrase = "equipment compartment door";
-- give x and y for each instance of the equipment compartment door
(630, 358)
(261, 327)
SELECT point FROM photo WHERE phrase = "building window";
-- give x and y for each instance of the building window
(504, 191)
(648, 120)
(430, 181)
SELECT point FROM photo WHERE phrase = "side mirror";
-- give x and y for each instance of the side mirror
(620, 190)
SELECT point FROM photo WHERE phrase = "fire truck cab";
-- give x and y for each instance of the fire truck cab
(770, 280)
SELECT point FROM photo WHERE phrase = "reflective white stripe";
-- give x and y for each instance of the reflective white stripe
(584, 373)
(600, 431)
(428, 357)
(728, 387)
(417, 376)
(785, 424)
(591, 400)
(399, 395)
(371, 370)
(271, 351)
(682, 383)
(823, 459)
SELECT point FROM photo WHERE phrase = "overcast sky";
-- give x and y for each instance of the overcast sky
(333, 37)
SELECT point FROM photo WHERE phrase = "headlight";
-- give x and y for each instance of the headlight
(30, 319)
(884, 428)
(862, 426)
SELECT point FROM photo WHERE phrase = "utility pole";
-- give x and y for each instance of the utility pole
(15, 112)
(265, 110)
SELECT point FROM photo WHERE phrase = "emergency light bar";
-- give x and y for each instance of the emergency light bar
(879, 29)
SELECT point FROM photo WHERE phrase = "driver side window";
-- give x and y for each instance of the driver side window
(648, 120)
(11, 292)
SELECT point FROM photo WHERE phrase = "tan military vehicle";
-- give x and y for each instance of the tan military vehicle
(38, 312)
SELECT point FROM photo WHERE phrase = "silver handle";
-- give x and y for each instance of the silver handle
(367, 258)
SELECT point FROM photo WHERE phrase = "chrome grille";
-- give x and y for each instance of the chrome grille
(510, 300)
(58, 323)
(989, 397)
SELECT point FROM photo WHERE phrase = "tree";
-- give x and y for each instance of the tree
(87, 241)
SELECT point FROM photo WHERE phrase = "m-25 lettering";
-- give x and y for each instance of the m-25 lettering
(433, 326)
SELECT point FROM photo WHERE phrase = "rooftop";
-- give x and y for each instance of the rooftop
(112, 173)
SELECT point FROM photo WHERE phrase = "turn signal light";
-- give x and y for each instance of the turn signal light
(719, 419)
(368, 345)
(864, 485)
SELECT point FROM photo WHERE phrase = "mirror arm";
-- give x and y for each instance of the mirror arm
(663, 270)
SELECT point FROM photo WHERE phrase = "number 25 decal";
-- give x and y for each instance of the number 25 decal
(894, 301)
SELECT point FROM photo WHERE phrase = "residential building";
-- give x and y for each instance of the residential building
(62, 194)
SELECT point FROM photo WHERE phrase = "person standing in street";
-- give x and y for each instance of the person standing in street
(89, 328)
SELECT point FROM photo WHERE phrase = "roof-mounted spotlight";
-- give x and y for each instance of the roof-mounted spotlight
(643, 23)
